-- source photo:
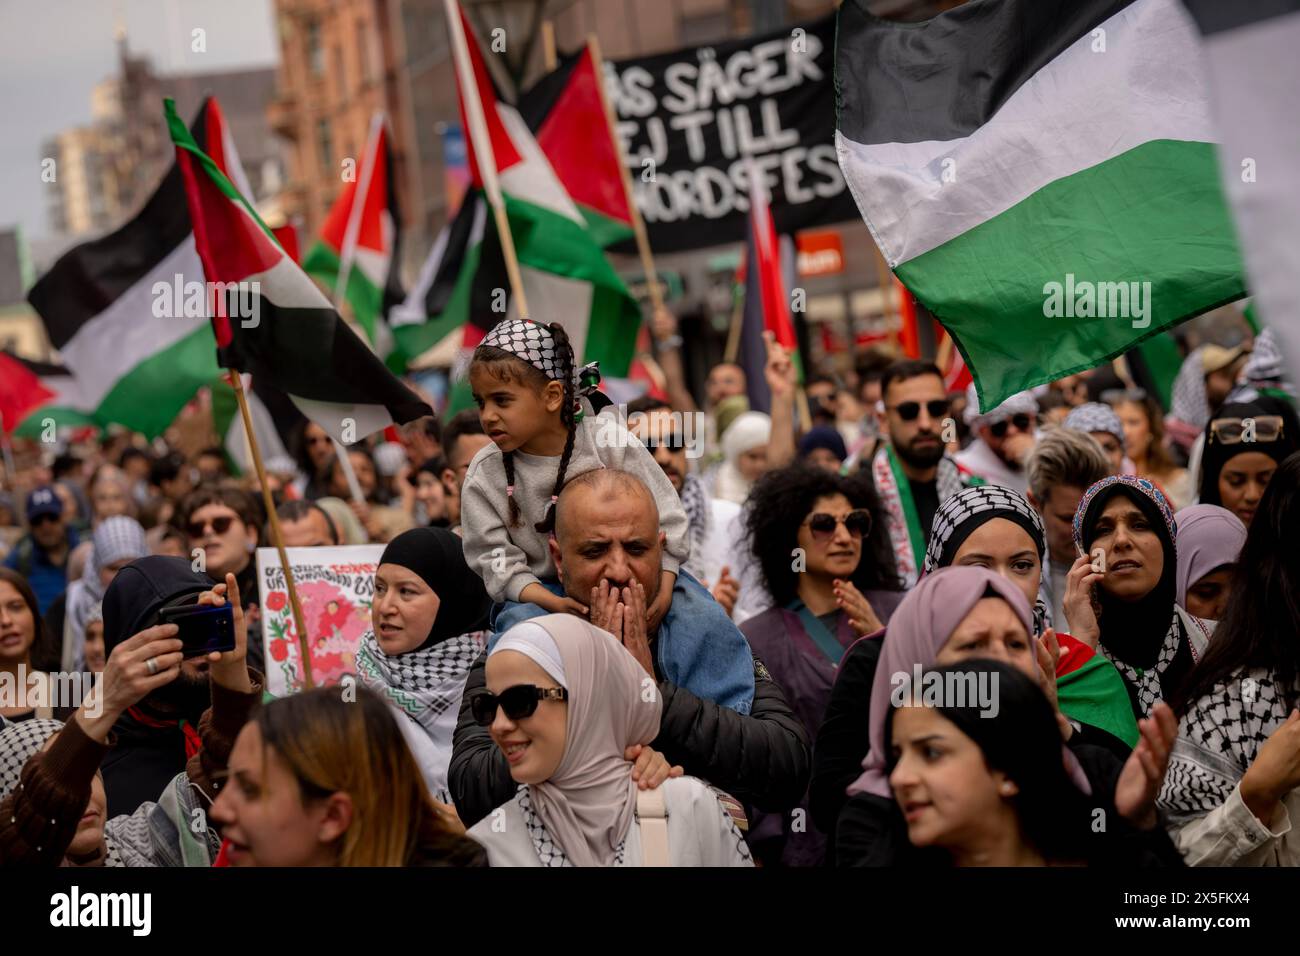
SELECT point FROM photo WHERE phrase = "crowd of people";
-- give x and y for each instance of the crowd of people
(873, 624)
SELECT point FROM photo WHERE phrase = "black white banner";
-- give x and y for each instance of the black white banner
(689, 119)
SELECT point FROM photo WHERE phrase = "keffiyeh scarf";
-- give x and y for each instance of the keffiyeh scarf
(1218, 739)
(906, 536)
(699, 519)
(965, 511)
(426, 685)
(548, 851)
(1095, 417)
(1147, 682)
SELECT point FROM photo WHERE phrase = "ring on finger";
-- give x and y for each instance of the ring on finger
(152, 666)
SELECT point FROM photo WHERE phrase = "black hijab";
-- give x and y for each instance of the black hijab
(1133, 631)
(1216, 454)
(438, 557)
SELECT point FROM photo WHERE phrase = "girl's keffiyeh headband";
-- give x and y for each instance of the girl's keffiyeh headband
(535, 344)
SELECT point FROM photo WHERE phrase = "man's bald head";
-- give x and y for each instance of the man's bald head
(607, 529)
(603, 486)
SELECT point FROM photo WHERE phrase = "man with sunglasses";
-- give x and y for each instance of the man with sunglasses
(1005, 436)
(911, 472)
(41, 556)
(724, 718)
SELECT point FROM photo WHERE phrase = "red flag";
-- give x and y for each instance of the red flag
(21, 391)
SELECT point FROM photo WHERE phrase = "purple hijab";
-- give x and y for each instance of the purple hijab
(1208, 538)
(917, 632)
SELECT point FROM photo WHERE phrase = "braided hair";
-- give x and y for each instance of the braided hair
(510, 367)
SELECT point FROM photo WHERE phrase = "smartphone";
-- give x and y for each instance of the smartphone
(203, 628)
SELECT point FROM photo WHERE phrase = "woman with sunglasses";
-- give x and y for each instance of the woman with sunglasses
(996, 529)
(828, 568)
(1233, 791)
(1244, 444)
(429, 617)
(564, 701)
(954, 616)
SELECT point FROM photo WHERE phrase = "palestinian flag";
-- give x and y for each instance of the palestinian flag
(272, 321)
(1040, 173)
(463, 286)
(128, 313)
(766, 309)
(358, 256)
(1254, 76)
(33, 392)
(567, 111)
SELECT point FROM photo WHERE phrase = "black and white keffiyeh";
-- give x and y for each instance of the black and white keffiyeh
(960, 515)
(548, 851)
(1095, 417)
(1147, 680)
(19, 741)
(1218, 739)
(698, 506)
(424, 684)
(532, 342)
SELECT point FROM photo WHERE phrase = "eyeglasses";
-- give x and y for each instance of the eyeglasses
(518, 702)
(1232, 431)
(909, 411)
(196, 529)
(856, 522)
(1021, 421)
(673, 442)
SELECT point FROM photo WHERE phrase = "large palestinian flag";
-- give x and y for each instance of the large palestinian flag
(566, 111)
(358, 255)
(127, 311)
(463, 285)
(271, 320)
(1041, 174)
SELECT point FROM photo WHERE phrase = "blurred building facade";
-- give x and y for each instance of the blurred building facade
(106, 170)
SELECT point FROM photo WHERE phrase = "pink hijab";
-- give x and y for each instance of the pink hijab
(588, 803)
(917, 632)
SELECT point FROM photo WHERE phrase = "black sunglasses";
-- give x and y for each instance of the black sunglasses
(42, 519)
(856, 522)
(220, 525)
(518, 702)
(673, 442)
(908, 411)
(1021, 421)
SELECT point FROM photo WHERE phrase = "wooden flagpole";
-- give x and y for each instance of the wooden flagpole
(482, 145)
(638, 224)
(550, 59)
(304, 649)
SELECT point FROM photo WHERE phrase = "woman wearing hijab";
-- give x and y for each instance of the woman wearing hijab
(1244, 444)
(117, 542)
(956, 614)
(1233, 790)
(997, 529)
(840, 588)
(1210, 539)
(1121, 593)
(564, 700)
(980, 786)
(429, 619)
(744, 456)
(822, 447)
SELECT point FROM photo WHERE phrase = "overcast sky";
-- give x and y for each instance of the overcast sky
(52, 52)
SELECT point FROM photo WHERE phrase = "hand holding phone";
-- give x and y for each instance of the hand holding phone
(202, 629)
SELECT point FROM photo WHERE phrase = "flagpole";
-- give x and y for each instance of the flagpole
(349, 473)
(549, 58)
(638, 224)
(482, 143)
(237, 383)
